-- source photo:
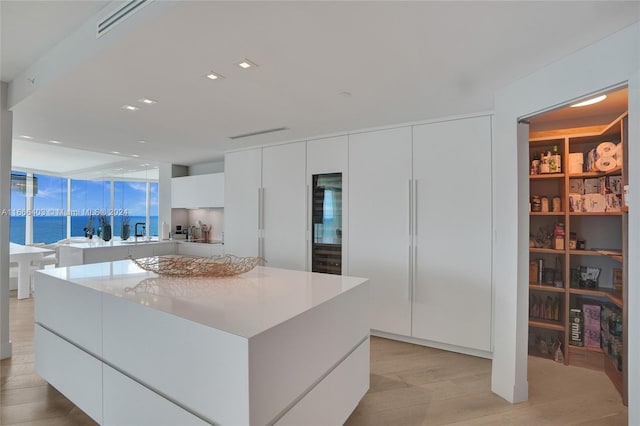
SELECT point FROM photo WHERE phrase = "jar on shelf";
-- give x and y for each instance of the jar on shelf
(556, 204)
(536, 205)
(544, 204)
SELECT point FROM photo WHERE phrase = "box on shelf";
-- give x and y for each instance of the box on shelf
(576, 186)
(613, 203)
(594, 203)
(576, 203)
(576, 331)
(576, 162)
(592, 186)
(591, 315)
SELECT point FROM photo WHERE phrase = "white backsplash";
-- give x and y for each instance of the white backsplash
(189, 217)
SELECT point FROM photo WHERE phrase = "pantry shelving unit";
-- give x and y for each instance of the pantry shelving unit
(606, 248)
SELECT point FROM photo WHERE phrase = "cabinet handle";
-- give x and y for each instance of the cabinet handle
(415, 270)
(306, 207)
(415, 203)
(259, 211)
(410, 211)
(410, 270)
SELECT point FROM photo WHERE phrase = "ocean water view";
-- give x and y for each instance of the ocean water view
(49, 229)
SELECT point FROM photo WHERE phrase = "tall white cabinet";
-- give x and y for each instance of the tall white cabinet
(284, 241)
(416, 222)
(242, 192)
(420, 229)
(379, 226)
(452, 300)
(265, 211)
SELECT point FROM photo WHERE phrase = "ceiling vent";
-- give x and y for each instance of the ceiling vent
(260, 132)
(119, 15)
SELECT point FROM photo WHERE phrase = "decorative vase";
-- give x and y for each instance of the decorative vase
(106, 233)
(125, 232)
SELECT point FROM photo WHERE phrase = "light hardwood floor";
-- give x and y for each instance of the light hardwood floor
(410, 385)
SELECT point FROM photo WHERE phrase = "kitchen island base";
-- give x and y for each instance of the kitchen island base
(139, 357)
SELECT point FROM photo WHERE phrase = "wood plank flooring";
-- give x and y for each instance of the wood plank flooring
(410, 385)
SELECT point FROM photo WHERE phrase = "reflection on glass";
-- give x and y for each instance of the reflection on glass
(327, 223)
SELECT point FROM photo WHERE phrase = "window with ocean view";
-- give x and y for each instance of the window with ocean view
(49, 208)
(88, 199)
(17, 220)
(45, 202)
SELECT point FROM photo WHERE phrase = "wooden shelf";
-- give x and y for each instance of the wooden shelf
(615, 171)
(547, 176)
(585, 348)
(546, 213)
(606, 253)
(595, 213)
(545, 250)
(613, 297)
(544, 287)
(549, 325)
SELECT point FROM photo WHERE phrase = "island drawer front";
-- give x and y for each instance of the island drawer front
(288, 359)
(199, 367)
(332, 401)
(76, 374)
(128, 403)
(72, 311)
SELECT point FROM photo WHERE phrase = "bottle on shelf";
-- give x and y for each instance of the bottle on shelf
(535, 164)
(555, 161)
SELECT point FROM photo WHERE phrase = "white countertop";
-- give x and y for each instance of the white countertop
(117, 242)
(244, 305)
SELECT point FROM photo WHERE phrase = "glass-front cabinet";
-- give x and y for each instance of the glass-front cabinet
(326, 218)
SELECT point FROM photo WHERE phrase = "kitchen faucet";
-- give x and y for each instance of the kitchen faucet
(139, 233)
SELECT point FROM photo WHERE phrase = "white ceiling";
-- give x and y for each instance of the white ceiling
(400, 61)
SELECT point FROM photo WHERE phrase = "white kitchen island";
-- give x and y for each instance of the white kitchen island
(270, 346)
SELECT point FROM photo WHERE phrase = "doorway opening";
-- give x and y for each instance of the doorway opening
(578, 227)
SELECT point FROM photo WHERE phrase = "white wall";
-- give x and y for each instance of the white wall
(164, 194)
(206, 168)
(607, 63)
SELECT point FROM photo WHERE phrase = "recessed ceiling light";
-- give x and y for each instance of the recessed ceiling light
(245, 64)
(135, 155)
(147, 101)
(54, 141)
(214, 76)
(142, 141)
(590, 101)
(130, 107)
(115, 152)
(25, 137)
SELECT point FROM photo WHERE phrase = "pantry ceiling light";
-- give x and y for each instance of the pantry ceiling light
(147, 101)
(214, 76)
(130, 107)
(245, 64)
(135, 155)
(590, 101)
(115, 152)
(142, 141)
(56, 142)
(25, 137)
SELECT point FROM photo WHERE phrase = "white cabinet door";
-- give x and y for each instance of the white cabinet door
(379, 234)
(452, 292)
(243, 179)
(198, 191)
(127, 402)
(283, 206)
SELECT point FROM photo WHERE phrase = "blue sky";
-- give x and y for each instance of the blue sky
(87, 194)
